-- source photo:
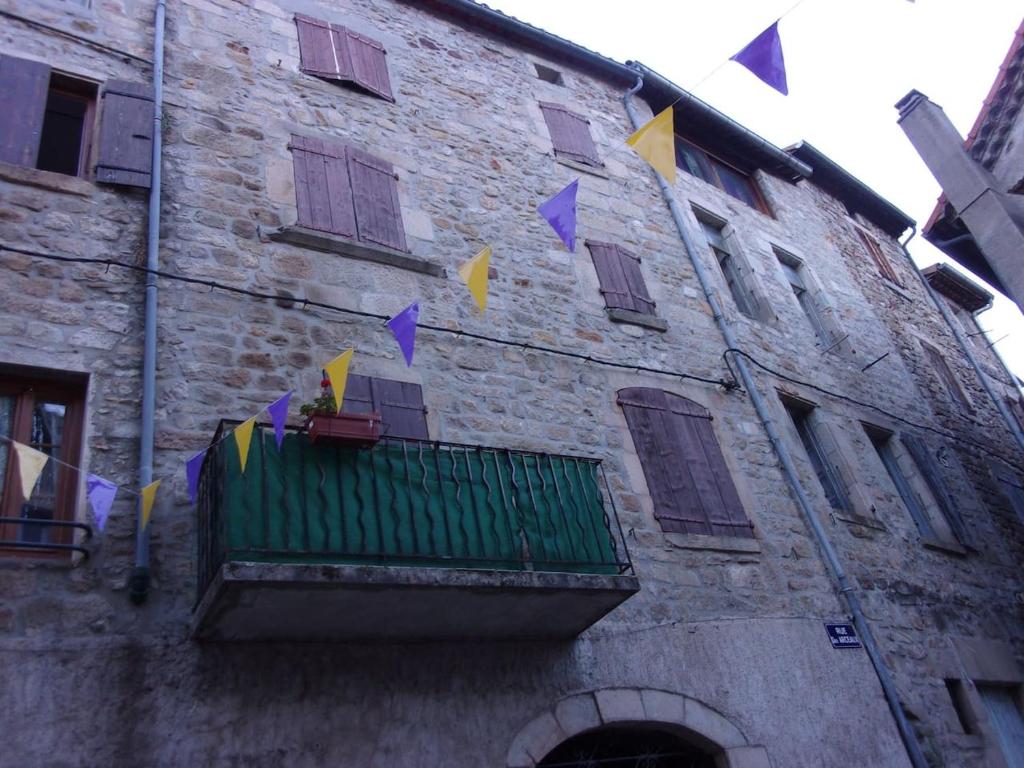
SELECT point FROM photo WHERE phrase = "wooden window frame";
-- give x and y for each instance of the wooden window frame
(707, 163)
(26, 386)
(87, 93)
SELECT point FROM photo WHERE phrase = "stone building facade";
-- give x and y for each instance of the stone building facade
(714, 644)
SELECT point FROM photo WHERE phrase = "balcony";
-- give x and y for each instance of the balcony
(405, 540)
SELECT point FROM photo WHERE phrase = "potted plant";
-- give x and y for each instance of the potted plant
(326, 426)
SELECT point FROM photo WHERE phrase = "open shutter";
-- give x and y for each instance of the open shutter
(610, 276)
(883, 264)
(630, 266)
(365, 61)
(318, 53)
(570, 134)
(358, 395)
(323, 192)
(933, 477)
(126, 134)
(24, 86)
(375, 193)
(730, 519)
(401, 406)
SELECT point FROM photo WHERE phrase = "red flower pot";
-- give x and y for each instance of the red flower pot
(357, 430)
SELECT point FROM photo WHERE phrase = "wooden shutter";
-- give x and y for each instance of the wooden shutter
(948, 378)
(399, 403)
(334, 52)
(317, 47)
(126, 134)
(570, 134)
(375, 193)
(940, 490)
(614, 286)
(881, 261)
(24, 86)
(630, 266)
(323, 191)
(358, 395)
(686, 473)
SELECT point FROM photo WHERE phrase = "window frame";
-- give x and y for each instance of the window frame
(885, 267)
(570, 155)
(882, 440)
(730, 266)
(81, 91)
(709, 163)
(838, 494)
(950, 382)
(794, 272)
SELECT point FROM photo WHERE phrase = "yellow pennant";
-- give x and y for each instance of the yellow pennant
(655, 143)
(474, 274)
(30, 466)
(337, 372)
(148, 497)
(243, 436)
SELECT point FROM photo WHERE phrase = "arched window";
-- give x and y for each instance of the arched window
(686, 473)
(621, 747)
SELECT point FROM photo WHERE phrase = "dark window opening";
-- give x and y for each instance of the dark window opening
(958, 695)
(828, 475)
(549, 75)
(741, 295)
(882, 442)
(793, 270)
(614, 747)
(705, 166)
(64, 138)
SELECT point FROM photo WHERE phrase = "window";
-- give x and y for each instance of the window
(744, 298)
(794, 272)
(347, 192)
(44, 410)
(622, 283)
(1016, 406)
(883, 443)
(828, 475)
(50, 125)
(333, 52)
(1013, 489)
(399, 404)
(686, 473)
(885, 267)
(549, 75)
(944, 513)
(570, 135)
(1002, 703)
(947, 377)
(709, 168)
(961, 705)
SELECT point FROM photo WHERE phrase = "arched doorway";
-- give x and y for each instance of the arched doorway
(627, 747)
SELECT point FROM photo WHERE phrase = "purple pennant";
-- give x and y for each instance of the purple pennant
(278, 411)
(192, 468)
(560, 212)
(403, 325)
(101, 496)
(763, 57)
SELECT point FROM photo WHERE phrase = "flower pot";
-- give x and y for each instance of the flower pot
(356, 430)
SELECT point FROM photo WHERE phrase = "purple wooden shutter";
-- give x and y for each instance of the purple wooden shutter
(365, 62)
(630, 266)
(729, 519)
(881, 261)
(358, 395)
(612, 279)
(24, 86)
(125, 153)
(401, 406)
(318, 53)
(375, 193)
(570, 134)
(323, 192)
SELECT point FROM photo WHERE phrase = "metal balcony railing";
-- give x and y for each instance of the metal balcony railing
(404, 502)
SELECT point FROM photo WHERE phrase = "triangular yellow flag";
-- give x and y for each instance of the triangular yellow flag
(30, 466)
(655, 143)
(148, 497)
(337, 372)
(243, 435)
(474, 274)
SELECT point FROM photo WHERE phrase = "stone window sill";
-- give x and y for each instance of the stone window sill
(322, 241)
(55, 182)
(593, 170)
(736, 544)
(943, 546)
(867, 522)
(898, 290)
(617, 315)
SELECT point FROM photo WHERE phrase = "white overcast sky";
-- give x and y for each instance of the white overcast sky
(847, 63)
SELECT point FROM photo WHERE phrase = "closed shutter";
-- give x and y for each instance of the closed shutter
(375, 192)
(125, 153)
(358, 395)
(883, 264)
(932, 475)
(399, 403)
(686, 473)
(334, 52)
(630, 266)
(323, 191)
(570, 134)
(24, 86)
(367, 63)
(610, 276)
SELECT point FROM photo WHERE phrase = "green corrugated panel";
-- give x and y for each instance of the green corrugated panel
(396, 504)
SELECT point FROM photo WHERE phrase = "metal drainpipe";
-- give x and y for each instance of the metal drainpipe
(852, 601)
(1011, 422)
(139, 583)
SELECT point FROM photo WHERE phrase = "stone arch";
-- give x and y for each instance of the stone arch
(681, 714)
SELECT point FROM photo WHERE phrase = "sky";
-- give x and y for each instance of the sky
(847, 64)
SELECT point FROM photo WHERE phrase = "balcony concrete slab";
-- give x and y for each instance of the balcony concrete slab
(322, 603)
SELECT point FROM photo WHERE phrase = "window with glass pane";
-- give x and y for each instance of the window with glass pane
(730, 269)
(43, 410)
(793, 272)
(697, 162)
(829, 477)
(882, 443)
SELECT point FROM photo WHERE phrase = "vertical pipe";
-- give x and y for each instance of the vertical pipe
(831, 557)
(139, 582)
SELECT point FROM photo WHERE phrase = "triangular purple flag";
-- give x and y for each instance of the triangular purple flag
(403, 325)
(560, 212)
(101, 496)
(763, 57)
(278, 411)
(192, 467)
